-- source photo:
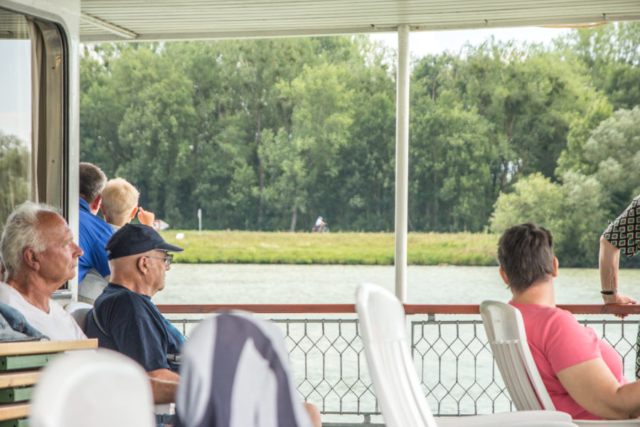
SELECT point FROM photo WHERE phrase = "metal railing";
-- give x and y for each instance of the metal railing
(328, 362)
(458, 372)
(452, 357)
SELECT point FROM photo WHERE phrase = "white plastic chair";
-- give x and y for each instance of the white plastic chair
(79, 312)
(403, 404)
(98, 388)
(508, 340)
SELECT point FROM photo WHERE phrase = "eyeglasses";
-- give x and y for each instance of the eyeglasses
(168, 258)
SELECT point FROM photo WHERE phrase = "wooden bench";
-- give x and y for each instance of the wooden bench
(20, 364)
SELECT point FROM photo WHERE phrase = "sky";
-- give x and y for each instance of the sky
(434, 42)
(15, 90)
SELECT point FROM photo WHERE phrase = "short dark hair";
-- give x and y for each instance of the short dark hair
(92, 181)
(525, 253)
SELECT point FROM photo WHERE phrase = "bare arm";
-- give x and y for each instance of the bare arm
(164, 385)
(609, 260)
(314, 414)
(146, 217)
(592, 385)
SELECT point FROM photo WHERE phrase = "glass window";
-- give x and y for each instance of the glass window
(15, 112)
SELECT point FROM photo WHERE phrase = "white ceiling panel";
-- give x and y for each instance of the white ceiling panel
(146, 20)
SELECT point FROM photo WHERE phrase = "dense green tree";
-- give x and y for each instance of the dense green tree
(284, 158)
(584, 218)
(321, 119)
(450, 180)
(611, 54)
(364, 188)
(159, 129)
(531, 96)
(480, 123)
(611, 155)
(14, 174)
(570, 211)
(269, 134)
(534, 199)
(361, 195)
(252, 69)
(573, 156)
(102, 107)
(598, 182)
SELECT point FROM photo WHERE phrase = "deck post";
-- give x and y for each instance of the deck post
(402, 162)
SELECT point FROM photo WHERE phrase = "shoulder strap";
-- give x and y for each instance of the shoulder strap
(95, 319)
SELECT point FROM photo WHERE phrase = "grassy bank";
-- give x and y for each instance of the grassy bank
(332, 248)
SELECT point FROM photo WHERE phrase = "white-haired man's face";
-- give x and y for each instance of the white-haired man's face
(57, 263)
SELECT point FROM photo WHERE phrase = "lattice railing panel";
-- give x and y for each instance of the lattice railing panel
(452, 358)
(456, 368)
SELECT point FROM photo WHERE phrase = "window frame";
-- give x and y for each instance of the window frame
(51, 176)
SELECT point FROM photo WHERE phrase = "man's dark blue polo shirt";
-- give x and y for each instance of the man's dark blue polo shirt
(94, 234)
(135, 328)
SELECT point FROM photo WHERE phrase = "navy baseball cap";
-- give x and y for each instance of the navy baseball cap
(134, 239)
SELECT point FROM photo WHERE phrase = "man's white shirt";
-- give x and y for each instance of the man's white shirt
(58, 325)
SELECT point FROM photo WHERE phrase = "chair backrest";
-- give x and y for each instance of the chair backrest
(508, 339)
(98, 388)
(382, 325)
(79, 312)
(235, 372)
(91, 286)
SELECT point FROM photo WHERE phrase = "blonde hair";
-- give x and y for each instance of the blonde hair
(119, 198)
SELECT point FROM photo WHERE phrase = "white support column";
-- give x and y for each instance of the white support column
(402, 162)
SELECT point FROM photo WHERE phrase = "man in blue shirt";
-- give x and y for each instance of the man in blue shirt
(94, 232)
(125, 320)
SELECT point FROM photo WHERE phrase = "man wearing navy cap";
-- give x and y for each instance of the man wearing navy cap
(125, 320)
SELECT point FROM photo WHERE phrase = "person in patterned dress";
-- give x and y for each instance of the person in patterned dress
(621, 236)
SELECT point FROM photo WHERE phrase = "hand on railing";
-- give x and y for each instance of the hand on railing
(617, 299)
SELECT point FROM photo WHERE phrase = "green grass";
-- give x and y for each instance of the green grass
(245, 247)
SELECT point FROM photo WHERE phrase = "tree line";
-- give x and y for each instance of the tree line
(594, 179)
(268, 134)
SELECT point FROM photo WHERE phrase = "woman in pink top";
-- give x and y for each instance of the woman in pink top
(582, 373)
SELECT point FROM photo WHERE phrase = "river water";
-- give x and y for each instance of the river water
(455, 368)
(334, 284)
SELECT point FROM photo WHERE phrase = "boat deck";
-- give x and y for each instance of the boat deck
(448, 343)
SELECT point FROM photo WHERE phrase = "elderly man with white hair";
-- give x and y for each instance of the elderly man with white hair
(39, 256)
